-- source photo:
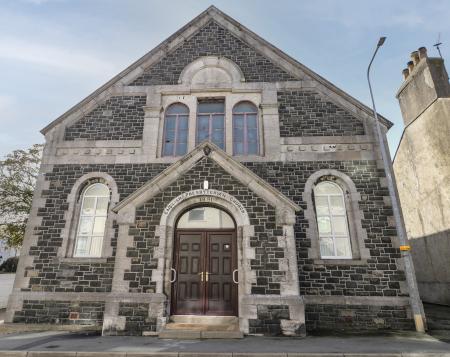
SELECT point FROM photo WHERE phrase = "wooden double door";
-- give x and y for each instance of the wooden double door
(205, 264)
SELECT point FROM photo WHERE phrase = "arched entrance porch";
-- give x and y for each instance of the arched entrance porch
(238, 234)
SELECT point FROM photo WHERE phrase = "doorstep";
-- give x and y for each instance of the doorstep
(189, 327)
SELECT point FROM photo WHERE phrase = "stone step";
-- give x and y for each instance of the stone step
(197, 334)
(202, 327)
(202, 319)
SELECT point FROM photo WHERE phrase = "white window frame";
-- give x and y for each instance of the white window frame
(333, 235)
(93, 217)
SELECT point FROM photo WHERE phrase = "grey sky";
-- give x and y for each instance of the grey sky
(53, 53)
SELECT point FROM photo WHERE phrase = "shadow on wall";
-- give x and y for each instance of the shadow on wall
(431, 255)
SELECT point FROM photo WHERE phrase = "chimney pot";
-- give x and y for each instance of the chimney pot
(415, 57)
(405, 73)
(423, 52)
(410, 66)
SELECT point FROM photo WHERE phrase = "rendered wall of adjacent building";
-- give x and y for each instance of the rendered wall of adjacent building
(422, 169)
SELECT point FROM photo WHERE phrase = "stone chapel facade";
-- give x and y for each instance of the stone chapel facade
(215, 176)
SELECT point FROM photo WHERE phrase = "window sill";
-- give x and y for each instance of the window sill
(340, 261)
(81, 260)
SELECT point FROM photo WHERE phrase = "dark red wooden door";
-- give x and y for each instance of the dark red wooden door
(204, 262)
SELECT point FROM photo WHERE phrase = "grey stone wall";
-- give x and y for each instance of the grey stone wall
(269, 320)
(357, 317)
(262, 216)
(137, 319)
(61, 312)
(306, 113)
(380, 276)
(48, 273)
(119, 118)
(71, 277)
(213, 40)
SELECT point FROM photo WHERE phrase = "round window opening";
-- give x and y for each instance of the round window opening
(205, 218)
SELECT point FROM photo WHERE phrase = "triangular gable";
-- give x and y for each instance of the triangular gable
(213, 40)
(268, 51)
(242, 174)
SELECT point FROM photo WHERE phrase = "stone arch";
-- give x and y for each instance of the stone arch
(72, 213)
(166, 231)
(354, 214)
(211, 71)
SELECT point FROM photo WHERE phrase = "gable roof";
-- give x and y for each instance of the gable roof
(207, 149)
(136, 69)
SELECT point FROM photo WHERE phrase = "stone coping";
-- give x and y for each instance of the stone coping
(211, 354)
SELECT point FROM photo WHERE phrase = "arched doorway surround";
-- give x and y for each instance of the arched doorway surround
(166, 231)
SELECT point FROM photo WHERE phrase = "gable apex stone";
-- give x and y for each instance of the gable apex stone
(285, 208)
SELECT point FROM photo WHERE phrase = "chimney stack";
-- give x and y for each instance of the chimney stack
(415, 57)
(425, 80)
(410, 65)
(423, 52)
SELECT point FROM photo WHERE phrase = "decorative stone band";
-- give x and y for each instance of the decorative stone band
(99, 151)
(207, 196)
(327, 147)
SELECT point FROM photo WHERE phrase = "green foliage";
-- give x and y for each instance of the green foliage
(18, 173)
(9, 265)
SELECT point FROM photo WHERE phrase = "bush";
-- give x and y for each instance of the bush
(9, 265)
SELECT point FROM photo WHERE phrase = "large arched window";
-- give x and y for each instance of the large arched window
(332, 222)
(245, 129)
(92, 222)
(176, 130)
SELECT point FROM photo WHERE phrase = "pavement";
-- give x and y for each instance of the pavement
(387, 344)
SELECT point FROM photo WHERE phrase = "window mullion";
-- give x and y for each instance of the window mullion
(245, 138)
(332, 225)
(175, 140)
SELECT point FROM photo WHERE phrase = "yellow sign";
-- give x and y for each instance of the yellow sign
(405, 247)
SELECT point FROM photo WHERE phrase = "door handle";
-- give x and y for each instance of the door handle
(207, 276)
(174, 279)
(234, 279)
(201, 276)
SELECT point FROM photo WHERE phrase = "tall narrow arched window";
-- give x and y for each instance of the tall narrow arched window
(92, 222)
(175, 130)
(332, 221)
(245, 129)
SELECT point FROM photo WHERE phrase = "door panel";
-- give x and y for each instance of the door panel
(221, 263)
(212, 253)
(189, 294)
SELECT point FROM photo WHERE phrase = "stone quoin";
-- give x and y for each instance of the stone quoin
(293, 231)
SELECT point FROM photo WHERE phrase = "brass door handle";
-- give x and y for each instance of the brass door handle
(174, 275)
(201, 276)
(207, 276)
(234, 276)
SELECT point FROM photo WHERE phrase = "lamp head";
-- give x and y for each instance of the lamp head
(381, 41)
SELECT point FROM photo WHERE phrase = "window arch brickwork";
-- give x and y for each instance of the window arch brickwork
(353, 212)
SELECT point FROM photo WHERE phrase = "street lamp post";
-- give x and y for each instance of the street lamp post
(416, 303)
